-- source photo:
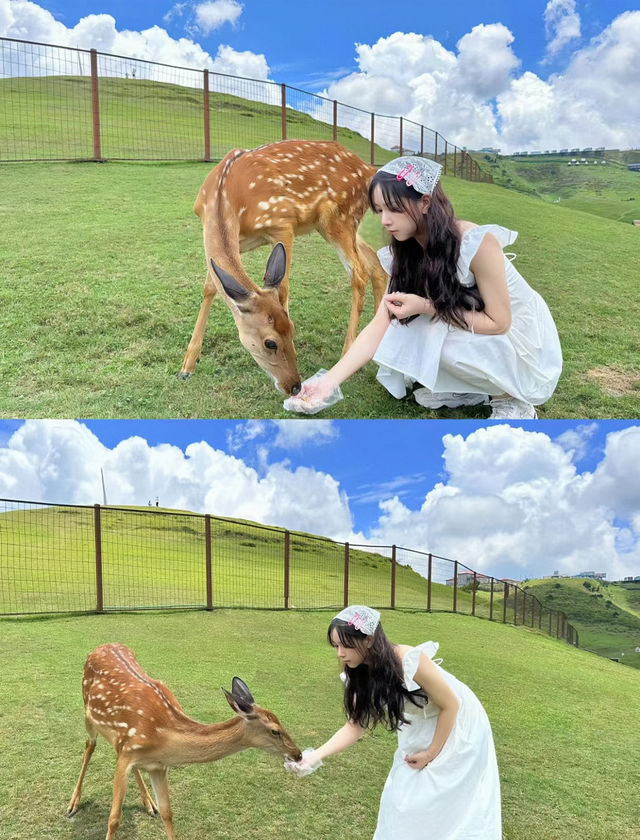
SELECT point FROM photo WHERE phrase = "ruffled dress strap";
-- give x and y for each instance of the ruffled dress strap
(472, 239)
(411, 660)
(385, 258)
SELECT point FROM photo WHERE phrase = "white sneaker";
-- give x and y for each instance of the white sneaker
(509, 408)
(429, 399)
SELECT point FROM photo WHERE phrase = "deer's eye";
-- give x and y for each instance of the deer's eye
(276, 733)
(270, 344)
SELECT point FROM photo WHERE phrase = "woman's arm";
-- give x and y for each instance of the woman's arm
(488, 269)
(344, 737)
(361, 351)
(437, 689)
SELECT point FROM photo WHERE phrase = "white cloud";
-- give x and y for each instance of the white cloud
(28, 21)
(60, 461)
(576, 441)
(513, 503)
(562, 24)
(214, 14)
(293, 434)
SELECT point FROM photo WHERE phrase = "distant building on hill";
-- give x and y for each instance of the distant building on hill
(593, 575)
(634, 167)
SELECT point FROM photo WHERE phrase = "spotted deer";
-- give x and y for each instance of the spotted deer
(269, 195)
(144, 722)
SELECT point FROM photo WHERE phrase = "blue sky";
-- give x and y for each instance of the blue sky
(516, 500)
(512, 75)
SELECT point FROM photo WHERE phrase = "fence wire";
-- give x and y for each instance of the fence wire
(72, 558)
(62, 103)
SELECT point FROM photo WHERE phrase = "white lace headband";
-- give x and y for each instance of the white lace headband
(420, 173)
(362, 618)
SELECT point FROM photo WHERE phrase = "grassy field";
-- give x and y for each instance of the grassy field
(606, 616)
(610, 191)
(102, 272)
(564, 723)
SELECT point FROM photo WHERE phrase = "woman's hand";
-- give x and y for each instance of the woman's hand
(404, 305)
(308, 760)
(419, 760)
(318, 390)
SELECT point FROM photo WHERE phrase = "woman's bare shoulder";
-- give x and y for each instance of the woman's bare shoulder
(464, 226)
(401, 650)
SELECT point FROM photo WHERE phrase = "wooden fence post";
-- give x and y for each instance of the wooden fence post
(284, 111)
(504, 603)
(346, 575)
(455, 585)
(473, 597)
(95, 107)
(429, 576)
(373, 120)
(335, 119)
(400, 136)
(97, 537)
(207, 549)
(393, 577)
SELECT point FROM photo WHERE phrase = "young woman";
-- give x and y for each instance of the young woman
(444, 782)
(458, 318)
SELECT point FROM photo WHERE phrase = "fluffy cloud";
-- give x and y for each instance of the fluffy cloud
(562, 24)
(60, 461)
(513, 500)
(474, 97)
(28, 21)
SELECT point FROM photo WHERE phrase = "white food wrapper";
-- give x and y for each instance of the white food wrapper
(308, 406)
(294, 766)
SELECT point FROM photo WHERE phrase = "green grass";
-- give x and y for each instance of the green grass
(606, 616)
(611, 191)
(102, 272)
(564, 723)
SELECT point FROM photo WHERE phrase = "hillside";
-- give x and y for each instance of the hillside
(607, 616)
(609, 190)
(564, 723)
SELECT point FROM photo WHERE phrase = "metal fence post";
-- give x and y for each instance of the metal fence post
(346, 575)
(455, 585)
(393, 577)
(335, 119)
(97, 536)
(524, 607)
(446, 148)
(515, 605)
(435, 147)
(421, 140)
(286, 569)
(207, 549)
(455, 160)
(95, 106)
(429, 577)
(284, 111)
(373, 120)
(504, 603)
(205, 104)
(473, 597)
(400, 136)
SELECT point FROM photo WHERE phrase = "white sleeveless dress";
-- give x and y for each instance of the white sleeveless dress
(525, 362)
(457, 795)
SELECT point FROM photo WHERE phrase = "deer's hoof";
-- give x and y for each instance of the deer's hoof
(184, 374)
(71, 812)
(152, 811)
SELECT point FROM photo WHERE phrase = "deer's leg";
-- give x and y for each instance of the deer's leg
(379, 279)
(341, 233)
(195, 345)
(161, 789)
(147, 801)
(119, 789)
(90, 746)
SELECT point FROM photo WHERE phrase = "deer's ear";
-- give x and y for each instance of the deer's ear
(236, 291)
(238, 704)
(240, 689)
(276, 267)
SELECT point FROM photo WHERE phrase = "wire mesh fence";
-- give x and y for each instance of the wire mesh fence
(73, 558)
(63, 103)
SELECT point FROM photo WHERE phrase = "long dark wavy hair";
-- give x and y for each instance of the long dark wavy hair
(431, 272)
(374, 692)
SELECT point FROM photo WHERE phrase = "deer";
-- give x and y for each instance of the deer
(270, 195)
(143, 721)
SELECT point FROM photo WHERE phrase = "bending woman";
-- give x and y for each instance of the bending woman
(458, 319)
(444, 780)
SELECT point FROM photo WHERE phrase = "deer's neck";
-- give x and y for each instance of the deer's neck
(192, 742)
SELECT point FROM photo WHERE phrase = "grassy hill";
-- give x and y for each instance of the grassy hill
(564, 723)
(607, 616)
(611, 190)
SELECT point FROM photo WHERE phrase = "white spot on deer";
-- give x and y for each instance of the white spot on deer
(344, 178)
(303, 169)
(241, 211)
(140, 711)
(267, 223)
(263, 205)
(136, 746)
(252, 185)
(131, 732)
